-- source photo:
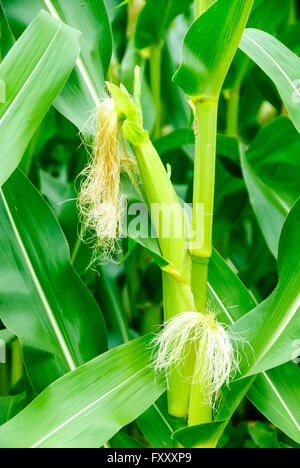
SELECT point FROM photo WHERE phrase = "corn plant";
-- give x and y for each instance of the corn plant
(150, 222)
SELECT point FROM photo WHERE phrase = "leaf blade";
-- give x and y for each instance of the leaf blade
(279, 63)
(91, 415)
(210, 46)
(281, 310)
(53, 300)
(45, 54)
(85, 86)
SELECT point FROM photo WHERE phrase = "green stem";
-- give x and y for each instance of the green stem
(17, 362)
(134, 8)
(203, 198)
(201, 6)
(234, 100)
(155, 80)
(199, 281)
(233, 112)
(293, 14)
(177, 298)
(75, 251)
(167, 215)
(177, 295)
(206, 112)
(200, 411)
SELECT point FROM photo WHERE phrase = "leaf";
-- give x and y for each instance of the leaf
(204, 436)
(43, 301)
(86, 85)
(111, 391)
(209, 47)
(272, 181)
(183, 137)
(263, 435)
(262, 18)
(228, 297)
(7, 38)
(277, 142)
(157, 425)
(124, 441)
(174, 140)
(154, 20)
(125, 2)
(279, 63)
(276, 394)
(271, 345)
(12, 405)
(270, 209)
(111, 304)
(34, 71)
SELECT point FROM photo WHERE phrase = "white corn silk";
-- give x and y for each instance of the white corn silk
(192, 335)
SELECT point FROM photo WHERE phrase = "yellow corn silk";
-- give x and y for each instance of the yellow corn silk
(101, 202)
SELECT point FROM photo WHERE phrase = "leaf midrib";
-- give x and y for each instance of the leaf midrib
(163, 418)
(293, 308)
(277, 393)
(79, 62)
(274, 62)
(59, 335)
(86, 408)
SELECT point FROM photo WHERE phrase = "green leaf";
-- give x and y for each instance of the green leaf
(279, 63)
(272, 181)
(278, 142)
(209, 47)
(34, 72)
(152, 247)
(154, 20)
(122, 440)
(86, 84)
(12, 405)
(276, 394)
(111, 304)
(60, 325)
(7, 38)
(261, 17)
(227, 294)
(184, 137)
(111, 391)
(270, 209)
(204, 436)
(174, 140)
(272, 345)
(263, 435)
(157, 425)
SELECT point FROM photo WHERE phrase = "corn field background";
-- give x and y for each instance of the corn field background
(112, 337)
